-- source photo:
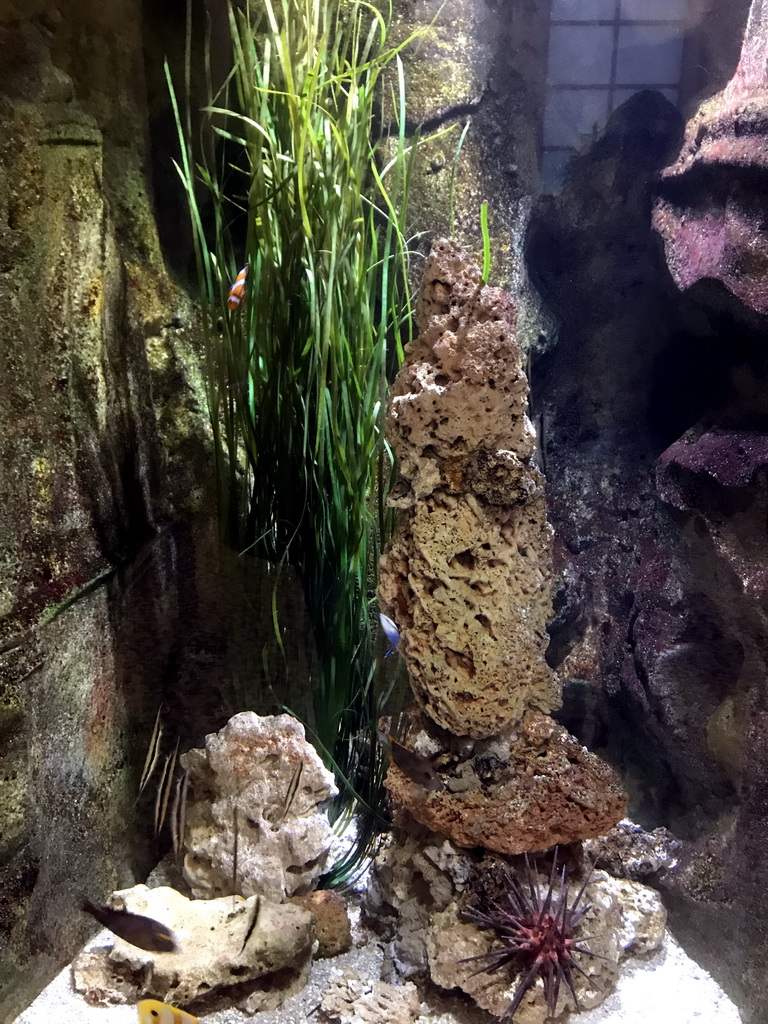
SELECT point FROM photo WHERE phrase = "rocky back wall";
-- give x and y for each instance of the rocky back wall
(102, 448)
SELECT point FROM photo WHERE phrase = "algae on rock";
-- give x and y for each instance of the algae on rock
(89, 317)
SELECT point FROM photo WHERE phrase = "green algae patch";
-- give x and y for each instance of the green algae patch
(436, 87)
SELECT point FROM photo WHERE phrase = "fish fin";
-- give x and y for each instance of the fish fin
(293, 789)
(153, 753)
(164, 789)
(235, 840)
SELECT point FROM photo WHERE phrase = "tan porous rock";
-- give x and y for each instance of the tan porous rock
(260, 778)
(354, 999)
(527, 789)
(451, 940)
(467, 575)
(215, 954)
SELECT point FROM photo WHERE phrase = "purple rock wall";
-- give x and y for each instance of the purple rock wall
(709, 210)
(653, 425)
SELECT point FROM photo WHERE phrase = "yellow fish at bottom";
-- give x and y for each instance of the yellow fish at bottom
(151, 1011)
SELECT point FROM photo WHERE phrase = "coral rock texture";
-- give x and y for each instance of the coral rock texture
(623, 917)
(627, 851)
(266, 769)
(527, 790)
(414, 877)
(212, 956)
(420, 888)
(467, 574)
(353, 999)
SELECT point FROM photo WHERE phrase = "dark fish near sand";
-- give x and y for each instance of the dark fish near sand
(391, 632)
(417, 767)
(144, 932)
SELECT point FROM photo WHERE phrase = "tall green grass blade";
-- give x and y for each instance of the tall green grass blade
(452, 191)
(486, 242)
(297, 375)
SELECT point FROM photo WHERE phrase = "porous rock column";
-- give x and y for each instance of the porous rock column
(467, 580)
(467, 575)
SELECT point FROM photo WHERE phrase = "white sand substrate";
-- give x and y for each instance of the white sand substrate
(665, 988)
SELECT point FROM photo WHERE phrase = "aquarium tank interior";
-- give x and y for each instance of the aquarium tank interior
(384, 511)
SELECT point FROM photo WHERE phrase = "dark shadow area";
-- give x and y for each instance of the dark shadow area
(651, 409)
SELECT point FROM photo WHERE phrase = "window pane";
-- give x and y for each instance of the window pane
(653, 10)
(553, 166)
(583, 10)
(580, 55)
(572, 114)
(623, 94)
(648, 55)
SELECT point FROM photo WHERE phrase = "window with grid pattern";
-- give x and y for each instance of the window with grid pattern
(600, 53)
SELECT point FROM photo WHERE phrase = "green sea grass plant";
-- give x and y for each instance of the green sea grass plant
(297, 374)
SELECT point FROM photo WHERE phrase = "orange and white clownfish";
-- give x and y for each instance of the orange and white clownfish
(237, 291)
(153, 1012)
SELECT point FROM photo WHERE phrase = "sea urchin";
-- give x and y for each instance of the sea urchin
(536, 932)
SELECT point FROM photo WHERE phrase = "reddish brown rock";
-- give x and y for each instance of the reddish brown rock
(527, 791)
(332, 926)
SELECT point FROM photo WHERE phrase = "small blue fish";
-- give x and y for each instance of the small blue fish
(391, 632)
